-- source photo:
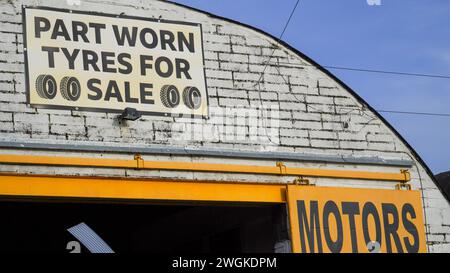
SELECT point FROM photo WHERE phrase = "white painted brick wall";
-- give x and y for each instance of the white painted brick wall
(313, 110)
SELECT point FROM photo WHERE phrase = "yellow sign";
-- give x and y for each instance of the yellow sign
(327, 219)
(107, 63)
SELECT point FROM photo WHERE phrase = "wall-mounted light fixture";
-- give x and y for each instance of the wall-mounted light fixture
(130, 114)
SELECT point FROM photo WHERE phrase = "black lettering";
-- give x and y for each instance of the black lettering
(90, 58)
(167, 39)
(145, 65)
(410, 228)
(390, 229)
(121, 58)
(59, 29)
(98, 92)
(51, 54)
(331, 208)
(70, 57)
(128, 97)
(79, 29)
(112, 91)
(40, 24)
(154, 39)
(158, 66)
(182, 66)
(97, 29)
(125, 35)
(145, 93)
(106, 61)
(351, 209)
(309, 227)
(184, 42)
(370, 209)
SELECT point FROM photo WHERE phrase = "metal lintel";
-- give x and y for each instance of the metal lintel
(139, 163)
(208, 152)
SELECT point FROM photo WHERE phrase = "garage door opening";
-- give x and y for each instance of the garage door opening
(157, 228)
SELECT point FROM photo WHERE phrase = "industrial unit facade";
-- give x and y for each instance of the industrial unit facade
(168, 129)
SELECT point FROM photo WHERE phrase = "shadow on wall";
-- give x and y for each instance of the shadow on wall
(444, 181)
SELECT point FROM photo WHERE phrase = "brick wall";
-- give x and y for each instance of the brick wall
(304, 110)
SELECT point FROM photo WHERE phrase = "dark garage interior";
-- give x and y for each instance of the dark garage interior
(156, 228)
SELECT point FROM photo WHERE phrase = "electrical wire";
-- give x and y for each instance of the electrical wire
(400, 73)
(349, 69)
(389, 72)
(414, 113)
(278, 41)
(265, 67)
(381, 111)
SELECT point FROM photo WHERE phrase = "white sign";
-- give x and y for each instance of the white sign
(99, 62)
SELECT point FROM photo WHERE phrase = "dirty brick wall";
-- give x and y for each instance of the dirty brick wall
(285, 104)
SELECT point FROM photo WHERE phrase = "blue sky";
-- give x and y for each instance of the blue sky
(399, 35)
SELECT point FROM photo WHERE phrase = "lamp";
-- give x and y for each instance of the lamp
(130, 114)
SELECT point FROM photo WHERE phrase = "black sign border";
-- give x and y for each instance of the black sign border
(108, 110)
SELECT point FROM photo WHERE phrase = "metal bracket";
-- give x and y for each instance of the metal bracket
(301, 181)
(139, 161)
(403, 185)
(282, 167)
(407, 175)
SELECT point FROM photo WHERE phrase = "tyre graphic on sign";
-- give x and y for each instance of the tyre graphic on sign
(70, 88)
(46, 86)
(192, 97)
(170, 96)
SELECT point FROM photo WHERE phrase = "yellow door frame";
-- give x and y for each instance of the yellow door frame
(18, 186)
(109, 188)
(38, 187)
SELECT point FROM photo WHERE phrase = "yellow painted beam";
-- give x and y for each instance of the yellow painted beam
(140, 163)
(67, 161)
(210, 167)
(100, 188)
(347, 174)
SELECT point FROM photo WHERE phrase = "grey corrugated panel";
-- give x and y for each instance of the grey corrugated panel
(208, 152)
(89, 239)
